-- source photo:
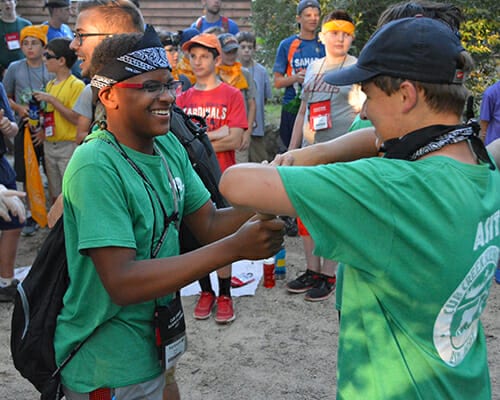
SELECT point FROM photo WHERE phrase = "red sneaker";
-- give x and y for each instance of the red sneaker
(204, 306)
(225, 311)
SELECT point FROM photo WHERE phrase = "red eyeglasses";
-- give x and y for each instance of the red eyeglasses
(155, 88)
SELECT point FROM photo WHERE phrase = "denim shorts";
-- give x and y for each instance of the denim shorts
(8, 179)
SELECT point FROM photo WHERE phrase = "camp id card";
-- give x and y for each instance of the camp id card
(13, 42)
(174, 349)
(170, 332)
(49, 124)
(319, 115)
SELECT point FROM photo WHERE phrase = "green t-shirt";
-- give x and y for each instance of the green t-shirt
(358, 123)
(420, 242)
(10, 41)
(106, 204)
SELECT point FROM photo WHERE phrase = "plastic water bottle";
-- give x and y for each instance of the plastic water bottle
(34, 122)
(269, 278)
(280, 264)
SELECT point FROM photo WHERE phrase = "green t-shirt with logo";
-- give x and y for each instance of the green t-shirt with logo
(106, 203)
(420, 241)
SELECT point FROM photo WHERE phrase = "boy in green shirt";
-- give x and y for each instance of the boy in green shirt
(415, 229)
(124, 190)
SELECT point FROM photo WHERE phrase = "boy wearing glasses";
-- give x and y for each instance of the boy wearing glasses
(60, 119)
(122, 239)
(224, 109)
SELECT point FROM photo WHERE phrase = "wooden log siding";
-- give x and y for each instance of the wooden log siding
(162, 14)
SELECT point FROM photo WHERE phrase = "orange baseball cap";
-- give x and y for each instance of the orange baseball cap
(203, 39)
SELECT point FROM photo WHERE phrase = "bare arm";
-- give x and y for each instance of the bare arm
(484, 127)
(258, 187)
(19, 109)
(252, 109)
(231, 141)
(298, 131)
(7, 127)
(82, 128)
(283, 81)
(349, 147)
(494, 149)
(67, 113)
(129, 281)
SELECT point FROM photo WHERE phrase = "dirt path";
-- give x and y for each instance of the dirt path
(280, 347)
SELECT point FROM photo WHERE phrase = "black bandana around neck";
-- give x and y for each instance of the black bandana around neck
(432, 138)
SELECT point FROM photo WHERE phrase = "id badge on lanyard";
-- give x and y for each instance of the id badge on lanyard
(49, 123)
(13, 42)
(319, 115)
(170, 332)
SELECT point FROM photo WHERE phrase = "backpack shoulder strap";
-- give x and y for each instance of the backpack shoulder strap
(225, 23)
(199, 23)
(291, 52)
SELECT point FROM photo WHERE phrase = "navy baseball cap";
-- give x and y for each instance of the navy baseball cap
(228, 42)
(188, 34)
(417, 48)
(303, 4)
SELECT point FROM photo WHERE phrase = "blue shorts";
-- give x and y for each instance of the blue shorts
(8, 179)
(286, 126)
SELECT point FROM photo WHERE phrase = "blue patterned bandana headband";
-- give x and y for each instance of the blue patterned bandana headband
(149, 55)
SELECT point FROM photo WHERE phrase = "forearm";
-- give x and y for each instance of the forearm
(252, 110)
(82, 128)
(223, 222)
(17, 108)
(484, 127)
(229, 142)
(282, 81)
(129, 281)
(9, 128)
(349, 147)
(67, 113)
(138, 281)
(297, 132)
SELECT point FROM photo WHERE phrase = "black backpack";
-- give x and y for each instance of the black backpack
(39, 297)
(37, 305)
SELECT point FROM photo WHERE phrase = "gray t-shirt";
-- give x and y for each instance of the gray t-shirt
(21, 80)
(262, 93)
(345, 101)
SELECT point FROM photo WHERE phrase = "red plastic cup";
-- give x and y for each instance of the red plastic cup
(269, 279)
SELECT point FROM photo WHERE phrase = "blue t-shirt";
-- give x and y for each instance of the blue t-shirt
(202, 25)
(306, 53)
(63, 32)
(490, 111)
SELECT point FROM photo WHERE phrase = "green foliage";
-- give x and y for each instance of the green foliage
(274, 20)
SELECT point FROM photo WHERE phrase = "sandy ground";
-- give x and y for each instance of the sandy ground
(280, 346)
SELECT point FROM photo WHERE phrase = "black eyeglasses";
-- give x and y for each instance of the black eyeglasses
(171, 49)
(49, 56)
(79, 36)
(156, 88)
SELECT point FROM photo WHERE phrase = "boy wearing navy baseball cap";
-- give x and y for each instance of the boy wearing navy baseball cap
(416, 229)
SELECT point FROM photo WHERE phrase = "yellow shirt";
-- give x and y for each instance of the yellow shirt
(67, 92)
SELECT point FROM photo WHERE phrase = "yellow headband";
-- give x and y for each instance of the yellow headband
(36, 31)
(338, 25)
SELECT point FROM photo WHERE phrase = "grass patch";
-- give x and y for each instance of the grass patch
(273, 113)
